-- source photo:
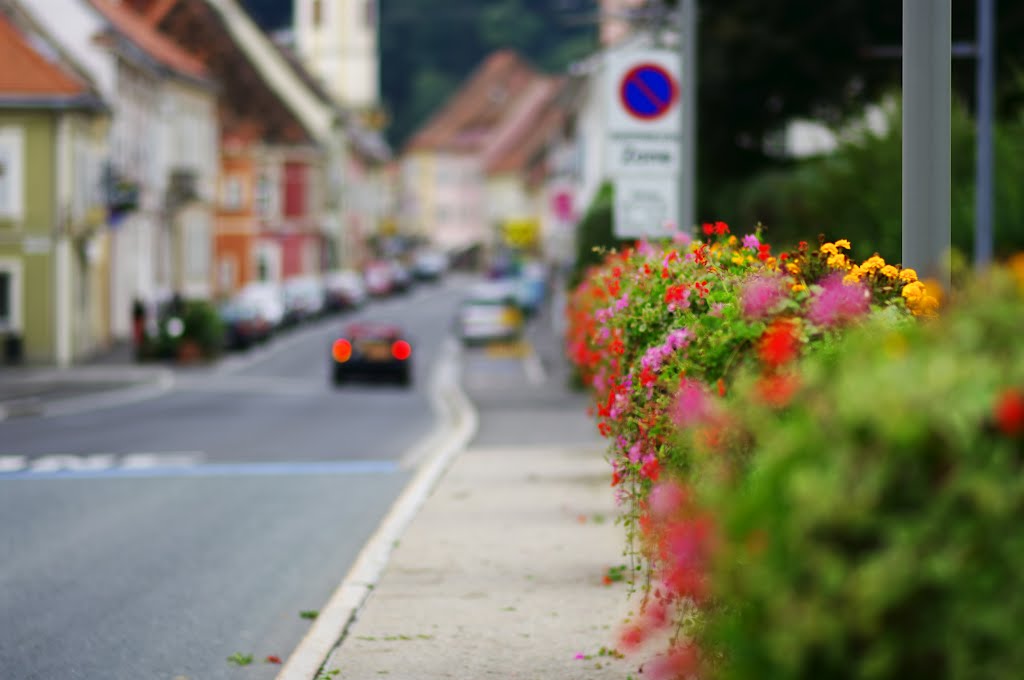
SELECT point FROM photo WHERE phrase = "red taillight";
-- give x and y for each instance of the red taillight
(341, 350)
(401, 350)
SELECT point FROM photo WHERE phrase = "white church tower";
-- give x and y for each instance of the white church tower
(337, 42)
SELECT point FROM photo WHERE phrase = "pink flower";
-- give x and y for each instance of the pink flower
(838, 302)
(622, 303)
(682, 238)
(580, 656)
(666, 499)
(761, 294)
(750, 241)
(692, 404)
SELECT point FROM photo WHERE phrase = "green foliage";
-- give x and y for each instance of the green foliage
(204, 326)
(858, 189)
(876, 532)
(239, 659)
(595, 234)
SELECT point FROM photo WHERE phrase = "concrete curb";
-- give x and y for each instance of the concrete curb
(330, 627)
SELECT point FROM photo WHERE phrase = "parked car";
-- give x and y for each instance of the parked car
(378, 276)
(344, 289)
(303, 299)
(401, 278)
(244, 326)
(532, 287)
(430, 265)
(371, 351)
(490, 313)
(269, 298)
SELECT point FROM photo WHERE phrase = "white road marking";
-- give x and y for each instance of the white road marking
(535, 373)
(98, 462)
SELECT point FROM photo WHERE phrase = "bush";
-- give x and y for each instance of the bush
(204, 326)
(876, 532)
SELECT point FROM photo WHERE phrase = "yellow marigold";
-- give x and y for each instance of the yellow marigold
(829, 249)
(797, 287)
(854, 275)
(920, 300)
(908, 276)
(732, 240)
(872, 264)
(843, 243)
(838, 261)
(793, 268)
(889, 272)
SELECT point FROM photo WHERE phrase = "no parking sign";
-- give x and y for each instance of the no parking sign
(642, 98)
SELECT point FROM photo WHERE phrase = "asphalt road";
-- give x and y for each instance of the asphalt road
(110, 574)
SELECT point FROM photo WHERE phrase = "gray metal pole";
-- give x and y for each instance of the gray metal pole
(927, 100)
(983, 186)
(688, 110)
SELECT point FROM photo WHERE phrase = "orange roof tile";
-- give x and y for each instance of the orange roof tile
(26, 72)
(470, 116)
(138, 30)
(525, 129)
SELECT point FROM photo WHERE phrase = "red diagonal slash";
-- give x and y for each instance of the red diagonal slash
(647, 91)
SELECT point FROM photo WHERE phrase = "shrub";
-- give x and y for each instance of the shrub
(204, 326)
(876, 532)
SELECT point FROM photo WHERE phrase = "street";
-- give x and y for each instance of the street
(156, 539)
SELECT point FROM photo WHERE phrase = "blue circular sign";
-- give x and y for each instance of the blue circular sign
(648, 91)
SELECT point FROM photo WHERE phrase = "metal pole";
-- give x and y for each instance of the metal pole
(984, 178)
(688, 110)
(927, 100)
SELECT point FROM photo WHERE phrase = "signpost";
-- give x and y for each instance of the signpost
(642, 98)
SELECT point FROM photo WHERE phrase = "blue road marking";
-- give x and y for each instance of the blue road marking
(345, 467)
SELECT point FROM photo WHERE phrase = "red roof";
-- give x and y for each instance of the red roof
(26, 72)
(145, 36)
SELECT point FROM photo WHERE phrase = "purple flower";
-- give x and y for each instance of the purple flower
(839, 302)
(634, 453)
(622, 302)
(678, 338)
(750, 241)
(761, 294)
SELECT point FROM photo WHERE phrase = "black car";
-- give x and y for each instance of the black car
(371, 351)
(244, 326)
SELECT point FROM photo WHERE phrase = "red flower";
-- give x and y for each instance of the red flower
(676, 294)
(617, 272)
(616, 478)
(664, 272)
(802, 245)
(709, 228)
(647, 269)
(779, 344)
(648, 377)
(1009, 412)
(273, 658)
(618, 346)
(721, 387)
(606, 579)
(702, 287)
(614, 288)
(784, 256)
(604, 429)
(777, 390)
(651, 469)
(721, 228)
(764, 251)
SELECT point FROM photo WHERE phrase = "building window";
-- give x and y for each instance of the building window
(197, 248)
(232, 196)
(11, 172)
(10, 295)
(318, 16)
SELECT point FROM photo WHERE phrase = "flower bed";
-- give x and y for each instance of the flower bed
(660, 334)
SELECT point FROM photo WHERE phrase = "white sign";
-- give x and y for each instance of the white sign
(642, 93)
(645, 207)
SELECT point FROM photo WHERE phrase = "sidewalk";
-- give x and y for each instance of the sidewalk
(28, 389)
(500, 574)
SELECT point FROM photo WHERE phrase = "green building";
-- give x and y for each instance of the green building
(54, 284)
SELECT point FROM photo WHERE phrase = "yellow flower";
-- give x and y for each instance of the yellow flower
(793, 268)
(829, 249)
(843, 243)
(797, 287)
(737, 258)
(854, 275)
(889, 272)
(908, 276)
(1017, 269)
(922, 300)
(733, 241)
(872, 264)
(838, 261)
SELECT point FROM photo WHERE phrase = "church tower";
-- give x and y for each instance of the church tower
(337, 42)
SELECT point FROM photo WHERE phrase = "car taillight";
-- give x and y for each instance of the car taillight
(401, 350)
(341, 350)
